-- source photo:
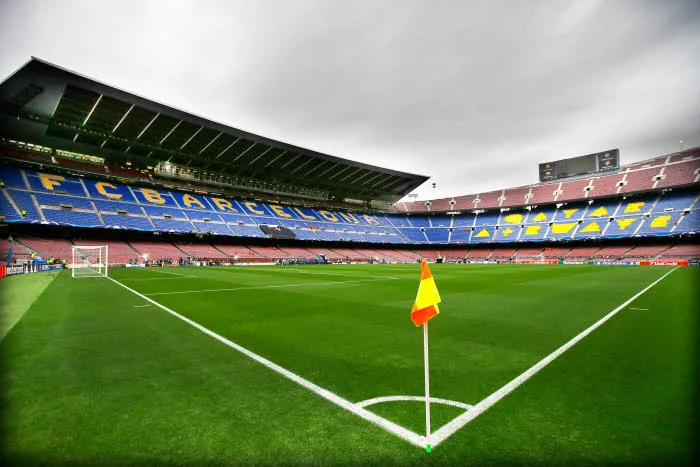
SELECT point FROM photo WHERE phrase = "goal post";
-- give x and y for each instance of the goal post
(90, 261)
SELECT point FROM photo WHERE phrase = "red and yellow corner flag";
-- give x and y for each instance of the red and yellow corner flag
(425, 306)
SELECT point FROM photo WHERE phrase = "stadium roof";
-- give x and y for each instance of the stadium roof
(44, 104)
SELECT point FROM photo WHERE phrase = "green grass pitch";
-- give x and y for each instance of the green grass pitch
(94, 374)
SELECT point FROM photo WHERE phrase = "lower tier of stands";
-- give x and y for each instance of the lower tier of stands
(123, 252)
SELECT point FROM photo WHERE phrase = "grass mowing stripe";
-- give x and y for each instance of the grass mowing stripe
(448, 430)
(263, 287)
(17, 294)
(389, 426)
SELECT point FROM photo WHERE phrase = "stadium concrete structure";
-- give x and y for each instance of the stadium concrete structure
(83, 159)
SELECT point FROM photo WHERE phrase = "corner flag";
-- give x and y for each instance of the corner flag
(425, 306)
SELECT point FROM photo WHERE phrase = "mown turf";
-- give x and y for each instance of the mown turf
(17, 293)
(90, 378)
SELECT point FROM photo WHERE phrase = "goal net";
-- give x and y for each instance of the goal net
(89, 261)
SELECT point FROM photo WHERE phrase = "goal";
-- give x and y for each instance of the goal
(90, 261)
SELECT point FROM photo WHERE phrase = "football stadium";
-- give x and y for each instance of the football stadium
(180, 291)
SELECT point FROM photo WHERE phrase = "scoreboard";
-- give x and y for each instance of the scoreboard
(582, 165)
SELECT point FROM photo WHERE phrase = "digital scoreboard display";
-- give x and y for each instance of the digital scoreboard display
(582, 165)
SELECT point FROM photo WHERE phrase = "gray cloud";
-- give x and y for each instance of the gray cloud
(474, 94)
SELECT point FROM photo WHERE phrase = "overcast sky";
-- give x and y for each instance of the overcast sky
(474, 94)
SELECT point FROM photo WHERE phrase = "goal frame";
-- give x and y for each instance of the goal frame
(103, 260)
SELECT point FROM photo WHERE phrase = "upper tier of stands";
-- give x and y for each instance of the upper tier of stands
(79, 201)
(659, 172)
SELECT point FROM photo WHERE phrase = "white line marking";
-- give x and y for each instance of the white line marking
(173, 273)
(401, 432)
(309, 284)
(303, 271)
(640, 309)
(140, 306)
(156, 279)
(449, 429)
(435, 400)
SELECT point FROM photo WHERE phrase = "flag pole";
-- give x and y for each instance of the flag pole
(427, 388)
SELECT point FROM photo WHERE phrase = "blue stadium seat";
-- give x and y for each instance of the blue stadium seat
(12, 177)
(51, 183)
(212, 227)
(132, 222)
(170, 224)
(75, 218)
(49, 199)
(114, 206)
(23, 200)
(158, 211)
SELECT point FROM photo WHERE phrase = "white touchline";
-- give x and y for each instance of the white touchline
(307, 284)
(140, 306)
(640, 309)
(449, 429)
(401, 432)
(433, 400)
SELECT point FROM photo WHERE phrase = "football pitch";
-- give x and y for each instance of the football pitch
(322, 365)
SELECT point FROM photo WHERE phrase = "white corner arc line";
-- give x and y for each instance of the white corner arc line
(401, 432)
(450, 428)
(255, 287)
(433, 400)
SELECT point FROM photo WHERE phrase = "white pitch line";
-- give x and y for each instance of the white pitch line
(342, 275)
(157, 279)
(173, 273)
(449, 429)
(309, 284)
(401, 432)
(640, 309)
(140, 306)
(435, 400)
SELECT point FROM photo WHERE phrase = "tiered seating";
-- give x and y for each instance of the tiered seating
(6, 208)
(612, 252)
(430, 255)
(573, 189)
(464, 202)
(543, 193)
(49, 199)
(296, 252)
(646, 251)
(489, 200)
(515, 196)
(47, 248)
(604, 185)
(583, 252)
(556, 252)
(157, 251)
(502, 253)
(18, 251)
(479, 253)
(201, 251)
(639, 180)
(682, 252)
(269, 252)
(529, 252)
(243, 253)
(23, 201)
(680, 174)
(86, 219)
(131, 222)
(457, 253)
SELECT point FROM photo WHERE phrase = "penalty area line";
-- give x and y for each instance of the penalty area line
(256, 287)
(450, 428)
(391, 427)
